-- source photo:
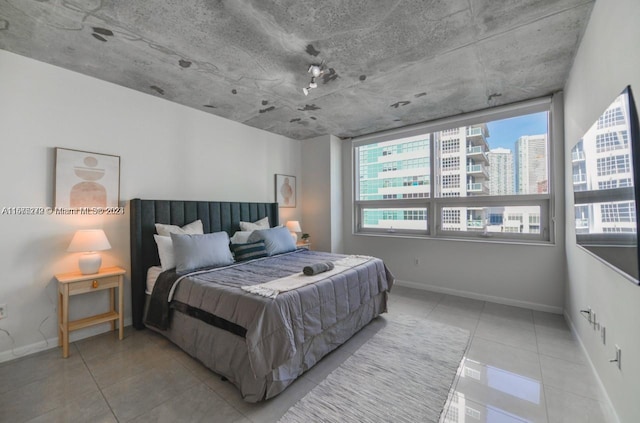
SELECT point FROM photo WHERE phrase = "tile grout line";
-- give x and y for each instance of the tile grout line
(544, 391)
(96, 382)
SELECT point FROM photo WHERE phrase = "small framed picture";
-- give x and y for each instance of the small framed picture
(85, 179)
(286, 190)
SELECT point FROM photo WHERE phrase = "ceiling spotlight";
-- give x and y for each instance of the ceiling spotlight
(316, 71)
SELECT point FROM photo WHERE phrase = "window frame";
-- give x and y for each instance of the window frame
(434, 206)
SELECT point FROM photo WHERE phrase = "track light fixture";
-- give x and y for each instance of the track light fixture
(316, 71)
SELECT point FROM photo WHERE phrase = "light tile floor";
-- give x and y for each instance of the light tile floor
(520, 366)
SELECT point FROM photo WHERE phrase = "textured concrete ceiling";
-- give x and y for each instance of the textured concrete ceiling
(390, 63)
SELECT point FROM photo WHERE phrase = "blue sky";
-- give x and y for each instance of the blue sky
(504, 133)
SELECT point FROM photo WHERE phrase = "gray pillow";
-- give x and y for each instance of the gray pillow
(193, 252)
(276, 240)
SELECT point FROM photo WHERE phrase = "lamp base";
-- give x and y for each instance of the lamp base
(89, 263)
(294, 236)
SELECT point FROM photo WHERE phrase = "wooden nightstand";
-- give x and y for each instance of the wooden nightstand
(75, 283)
(302, 244)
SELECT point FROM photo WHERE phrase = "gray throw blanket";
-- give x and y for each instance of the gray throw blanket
(158, 309)
(316, 268)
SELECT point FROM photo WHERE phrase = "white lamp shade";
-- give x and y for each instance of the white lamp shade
(294, 226)
(86, 240)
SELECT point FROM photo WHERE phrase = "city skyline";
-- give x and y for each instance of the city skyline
(505, 132)
(464, 166)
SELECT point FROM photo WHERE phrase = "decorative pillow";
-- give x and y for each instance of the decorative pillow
(165, 251)
(240, 237)
(259, 224)
(196, 251)
(194, 227)
(276, 240)
(254, 250)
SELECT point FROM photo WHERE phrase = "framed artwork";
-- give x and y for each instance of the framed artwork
(286, 190)
(85, 179)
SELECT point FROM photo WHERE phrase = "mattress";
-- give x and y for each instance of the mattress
(152, 277)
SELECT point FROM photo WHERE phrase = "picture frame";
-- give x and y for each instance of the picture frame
(86, 179)
(285, 191)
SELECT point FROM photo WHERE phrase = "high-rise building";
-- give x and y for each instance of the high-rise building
(531, 164)
(463, 171)
(501, 166)
(398, 169)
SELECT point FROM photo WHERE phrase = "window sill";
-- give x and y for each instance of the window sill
(481, 240)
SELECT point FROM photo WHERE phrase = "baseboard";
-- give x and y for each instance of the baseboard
(26, 350)
(603, 391)
(50, 343)
(481, 297)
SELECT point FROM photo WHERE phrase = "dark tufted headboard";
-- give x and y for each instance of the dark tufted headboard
(215, 215)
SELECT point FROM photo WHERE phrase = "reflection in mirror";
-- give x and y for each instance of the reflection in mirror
(605, 182)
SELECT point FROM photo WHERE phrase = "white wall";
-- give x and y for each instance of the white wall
(337, 227)
(529, 276)
(167, 151)
(322, 192)
(608, 59)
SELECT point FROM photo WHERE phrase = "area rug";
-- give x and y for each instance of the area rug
(402, 374)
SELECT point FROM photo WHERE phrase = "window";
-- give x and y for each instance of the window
(618, 212)
(451, 181)
(395, 219)
(486, 176)
(611, 117)
(613, 165)
(450, 163)
(450, 146)
(612, 141)
(615, 183)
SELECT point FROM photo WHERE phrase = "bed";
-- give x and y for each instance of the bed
(259, 343)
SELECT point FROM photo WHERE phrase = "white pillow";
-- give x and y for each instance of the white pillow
(165, 251)
(259, 224)
(240, 237)
(193, 228)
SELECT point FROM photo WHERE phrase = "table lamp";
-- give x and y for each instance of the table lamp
(294, 226)
(88, 241)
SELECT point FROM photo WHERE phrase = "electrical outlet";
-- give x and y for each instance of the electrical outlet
(3, 311)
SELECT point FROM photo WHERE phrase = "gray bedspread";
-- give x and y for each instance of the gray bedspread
(275, 326)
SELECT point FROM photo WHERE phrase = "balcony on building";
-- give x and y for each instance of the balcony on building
(477, 188)
(577, 156)
(582, 223)
(476, 218)
(477, 170)
(477, 136)
(477, 154)
(475, 224)
(579, 178)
